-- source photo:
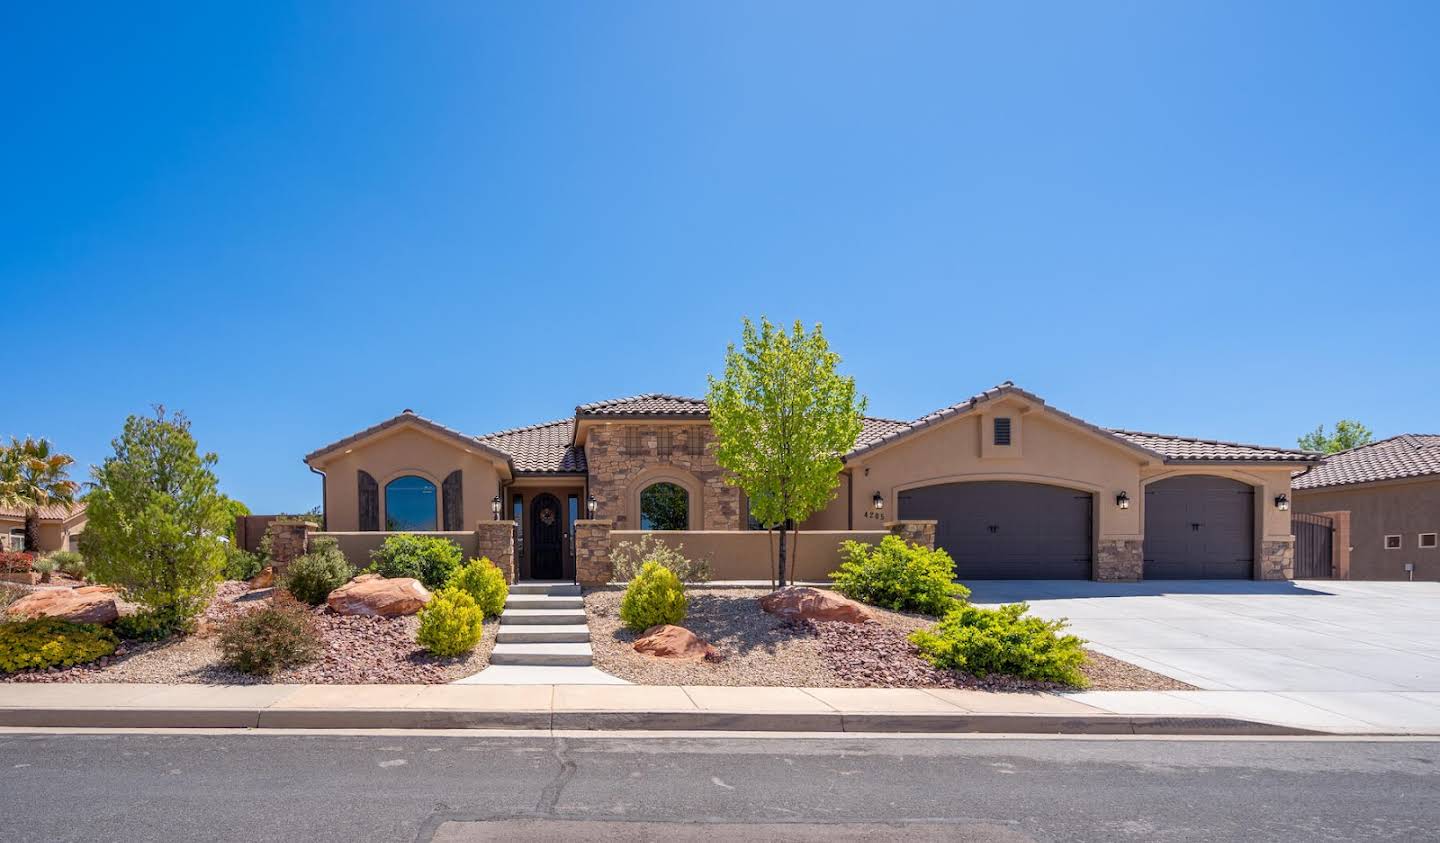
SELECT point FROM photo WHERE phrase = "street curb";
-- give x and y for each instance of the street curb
(703, 721)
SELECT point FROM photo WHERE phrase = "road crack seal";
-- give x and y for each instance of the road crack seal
(551, 794)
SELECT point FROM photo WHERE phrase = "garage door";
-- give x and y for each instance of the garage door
(1002, 530)
(1199, 528)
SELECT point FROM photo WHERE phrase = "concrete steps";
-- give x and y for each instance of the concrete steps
(541, 617)
(568, 589)
(566, 633)
(542, 655)
(544, 601)
(543, 637)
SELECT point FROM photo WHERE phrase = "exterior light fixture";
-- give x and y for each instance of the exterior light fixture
(1122, 500)
(1282, 502)
(495, 507)
(879, 501)
(590, 504)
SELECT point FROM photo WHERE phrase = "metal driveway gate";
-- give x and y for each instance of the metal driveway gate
(1314, 545)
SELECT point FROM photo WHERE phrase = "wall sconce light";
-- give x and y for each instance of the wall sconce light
(495, 507)
(879, 501)
(1122, 500)
(590, 504)
(1282, 502)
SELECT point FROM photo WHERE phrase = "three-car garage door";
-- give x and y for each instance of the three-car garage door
(1199, 527)
(1006, 530)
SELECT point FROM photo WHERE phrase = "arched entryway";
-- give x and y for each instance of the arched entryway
(1008, 529)
(1199, 527)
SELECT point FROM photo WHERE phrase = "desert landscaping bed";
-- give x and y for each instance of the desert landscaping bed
(356, 650)
(756, 648)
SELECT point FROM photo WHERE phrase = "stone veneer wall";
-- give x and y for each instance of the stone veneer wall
(914, 532)
(614, 469)
(592, 551)
(1120, 560)
(495, 540)
(1277, 559)
(288, 542)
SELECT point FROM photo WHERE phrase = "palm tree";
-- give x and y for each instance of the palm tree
(33, 475)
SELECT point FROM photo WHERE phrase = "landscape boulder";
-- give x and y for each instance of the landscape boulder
(88, 604)
(812, 604)
(668, 641)
(377, 596)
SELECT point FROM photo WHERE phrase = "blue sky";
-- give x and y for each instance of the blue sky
(294, 220)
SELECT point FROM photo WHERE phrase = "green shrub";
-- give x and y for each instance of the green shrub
(264, 641)
(48, 642)
(152, 625)
(1003, 640)
(899, 576)
(69, 562)
(654, 596)
(44, 566)
(627, 558)
(313, 576)
(429, 559)
(240, 564)
(450, 624)
(484, 582)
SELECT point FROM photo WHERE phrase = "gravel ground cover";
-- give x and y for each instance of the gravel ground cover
(356, 650)
(758, 649)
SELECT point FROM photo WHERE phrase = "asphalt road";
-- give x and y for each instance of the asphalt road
(173, 787)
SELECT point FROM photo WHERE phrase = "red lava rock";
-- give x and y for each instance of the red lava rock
(90, 604)
(667, 641)
(811, 604)
(375, 596)
(879, 656)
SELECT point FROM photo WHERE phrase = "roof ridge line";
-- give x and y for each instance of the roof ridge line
(524, 428)
(1204, 441)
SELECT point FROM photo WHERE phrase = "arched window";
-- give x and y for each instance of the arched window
(664, 506)
(409, 504)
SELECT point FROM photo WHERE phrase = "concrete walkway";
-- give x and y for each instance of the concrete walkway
(582, 707)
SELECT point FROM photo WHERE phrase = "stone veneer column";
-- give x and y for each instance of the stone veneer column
(495, 540)
(1120, 560)
(289, 540)
(592, 551)
(914, 532)
(1277, 559)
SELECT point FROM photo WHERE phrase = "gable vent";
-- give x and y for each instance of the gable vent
(1002, 430)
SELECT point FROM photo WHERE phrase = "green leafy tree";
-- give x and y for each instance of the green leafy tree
(233, 509)
(1348, 434)
(155, 518)
(34, 475)
(783, 417)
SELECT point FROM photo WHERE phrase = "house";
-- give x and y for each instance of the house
(1391, 490)
(1014, 488)
(60, 527)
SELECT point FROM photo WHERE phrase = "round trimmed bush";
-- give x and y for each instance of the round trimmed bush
(451, 624)
(313, 576)
(1003, 640)
(899, 576)
(655, 596)
(49, 642)
(485, 582)
(429, 559)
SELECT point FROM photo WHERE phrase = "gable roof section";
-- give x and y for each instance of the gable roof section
(409, 417)
(1188, 449)
(1396, 458)
(541, 447)
(649, 405)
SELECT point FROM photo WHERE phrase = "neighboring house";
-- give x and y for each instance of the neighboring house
(1018, 488)
(1391, 489)
(60, 528)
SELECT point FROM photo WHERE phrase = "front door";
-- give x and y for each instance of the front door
(547, 546)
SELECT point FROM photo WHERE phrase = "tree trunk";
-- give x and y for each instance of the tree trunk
(32, 530)
(770, 546)
(783, 581)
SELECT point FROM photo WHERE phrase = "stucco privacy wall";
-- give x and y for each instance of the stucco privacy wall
(626, 457)
(400, 451)
(747, 554)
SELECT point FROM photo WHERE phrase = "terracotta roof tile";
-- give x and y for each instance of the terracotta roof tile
(1406, 455)
(1185, 448)
(49, 512)
(649, 404)
(540, 447)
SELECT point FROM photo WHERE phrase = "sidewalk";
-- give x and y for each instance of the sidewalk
(670, 708)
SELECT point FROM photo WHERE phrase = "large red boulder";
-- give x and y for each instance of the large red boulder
(668, 641)
(377, 596)
(813, 604)
(88, 604)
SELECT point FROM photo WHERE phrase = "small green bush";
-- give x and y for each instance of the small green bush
(484, 582)
(264, 641)
(313, 576)
(240, 564)
(429, 559)
(69, 562)
(48, 642)
(152, 625)
(654, 596)
(899, 576)
(1003, 640)
(450, 624)
(44, 566)
(627, 558)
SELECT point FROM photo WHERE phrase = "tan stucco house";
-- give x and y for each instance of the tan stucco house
(1389, 492)
(60, 528)
(1015, 488)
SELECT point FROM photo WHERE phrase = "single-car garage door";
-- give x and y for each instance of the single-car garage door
(1199, 527)
(1004, 530)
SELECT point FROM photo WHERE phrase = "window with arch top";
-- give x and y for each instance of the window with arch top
(664, 506)
(409, 504)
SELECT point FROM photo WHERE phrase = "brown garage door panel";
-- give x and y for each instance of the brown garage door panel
(1199, 527)
(1007, 530)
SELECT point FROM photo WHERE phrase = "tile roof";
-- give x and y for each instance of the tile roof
(540, 447)
(649, 404)
(1187, 449)
(873, 430)
(49, 512)
(1406, 455)
(408, 416)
